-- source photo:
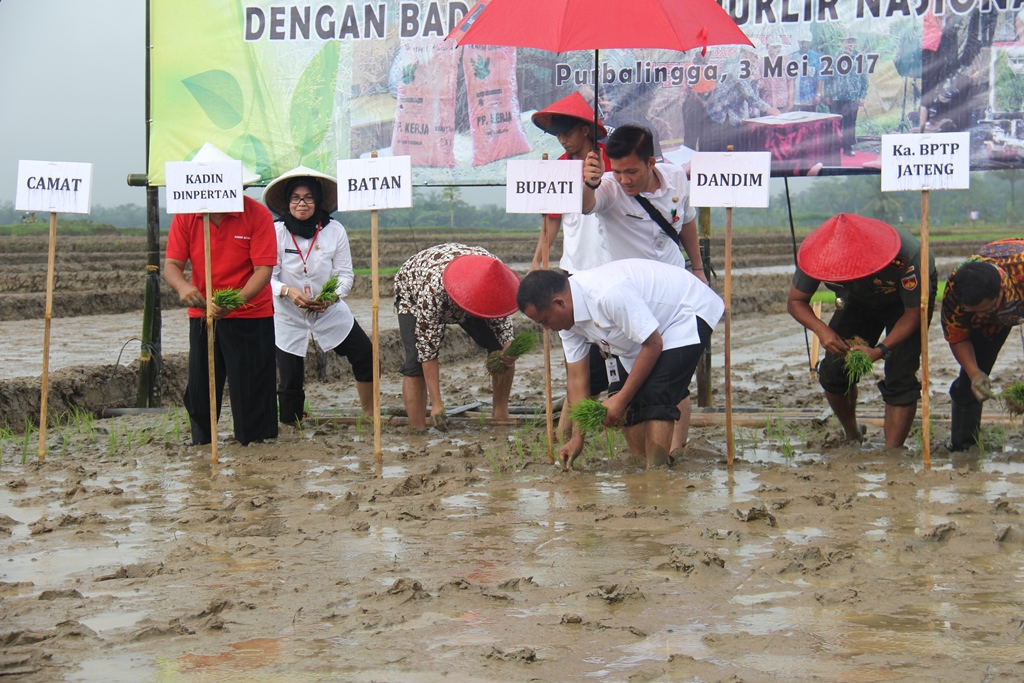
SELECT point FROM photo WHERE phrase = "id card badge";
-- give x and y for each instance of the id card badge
(611, 366)
(306, 289)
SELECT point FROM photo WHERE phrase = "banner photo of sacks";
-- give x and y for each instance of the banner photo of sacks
(280, 84)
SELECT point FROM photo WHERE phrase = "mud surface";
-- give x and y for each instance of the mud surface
(465, 556)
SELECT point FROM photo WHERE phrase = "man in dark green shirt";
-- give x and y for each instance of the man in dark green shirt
(874, 270)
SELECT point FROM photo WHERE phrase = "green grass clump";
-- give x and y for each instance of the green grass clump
(329, 292)
(1013, 398)
(228, 298)
(589, 414)
(521, 344)
(857, 365)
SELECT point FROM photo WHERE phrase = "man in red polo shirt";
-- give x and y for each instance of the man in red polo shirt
(243, 249)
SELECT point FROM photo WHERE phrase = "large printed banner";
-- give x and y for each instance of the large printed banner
(278, 84)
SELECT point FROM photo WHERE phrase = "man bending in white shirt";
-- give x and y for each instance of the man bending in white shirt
(656, 318)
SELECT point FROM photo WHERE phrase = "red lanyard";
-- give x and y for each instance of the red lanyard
(308, 251)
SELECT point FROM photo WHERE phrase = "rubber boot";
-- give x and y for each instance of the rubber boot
(964, 426)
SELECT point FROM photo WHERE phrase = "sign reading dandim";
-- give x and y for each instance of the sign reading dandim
(730, 179)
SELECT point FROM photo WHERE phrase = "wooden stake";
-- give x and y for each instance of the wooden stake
(704, 378)
(925, 275)
(815, 342)
(548, 402)
(210, 365)
(728, 337)
(51, 259)
(378, 452)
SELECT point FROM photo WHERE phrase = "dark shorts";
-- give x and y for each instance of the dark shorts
(899, 385)
(669, 382)
(477, 329)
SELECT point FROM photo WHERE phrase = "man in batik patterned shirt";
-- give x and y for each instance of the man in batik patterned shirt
(984, 298)
(451, 284)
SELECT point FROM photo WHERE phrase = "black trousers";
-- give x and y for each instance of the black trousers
(244, 355)
(291, 395)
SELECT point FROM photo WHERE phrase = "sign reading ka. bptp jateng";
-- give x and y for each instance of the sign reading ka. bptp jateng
(204, 186)
(544, 186)
(931, 161)
(54, 186)
(730, 179)
(375, 183)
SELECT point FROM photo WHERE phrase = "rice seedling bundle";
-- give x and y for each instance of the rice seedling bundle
(589, 414)
(228, 298)
(329, 292)
(857, 363)
(1013, 398)
(521, 344)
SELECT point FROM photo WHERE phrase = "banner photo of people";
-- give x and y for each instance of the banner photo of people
(280, 84)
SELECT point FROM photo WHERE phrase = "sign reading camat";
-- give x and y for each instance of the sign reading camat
(730, 179)
(54, 186)
(381, 183)
(544, 187)
(204, 187)
(932, 161)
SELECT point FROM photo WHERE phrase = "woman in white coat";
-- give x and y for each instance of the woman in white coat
(311, 247)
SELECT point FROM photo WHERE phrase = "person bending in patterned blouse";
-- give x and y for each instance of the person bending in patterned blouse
(451, 284)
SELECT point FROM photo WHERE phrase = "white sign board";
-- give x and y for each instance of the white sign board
(931, 161)
(730, 179)
(381, 183)
(54, 186)
(544, 187)
(204, 186)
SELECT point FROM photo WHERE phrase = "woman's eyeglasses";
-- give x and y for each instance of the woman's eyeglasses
(296, 199)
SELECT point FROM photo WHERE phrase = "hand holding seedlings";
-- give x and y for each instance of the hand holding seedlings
(500, 362)
(857, 361)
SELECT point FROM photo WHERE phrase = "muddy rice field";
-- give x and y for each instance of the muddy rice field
(466, 556)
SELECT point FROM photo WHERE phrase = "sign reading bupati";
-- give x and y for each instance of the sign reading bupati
(544, 187)
(54, 186)
(730, 179)
(381, 183)
(940, 161)
(204, 187)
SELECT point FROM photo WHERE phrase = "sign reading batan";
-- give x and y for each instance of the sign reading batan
(204, 186)
(381, 183)
(932, 161)
(730, 179)
(54, 186)
(544, 186)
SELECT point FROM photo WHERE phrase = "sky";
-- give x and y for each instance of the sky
(73, 79)
(72, 74)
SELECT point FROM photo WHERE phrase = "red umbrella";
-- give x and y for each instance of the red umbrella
(565, 25)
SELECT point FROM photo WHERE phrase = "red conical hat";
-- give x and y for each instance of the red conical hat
(573, 105)
(848, 247)
(481, 285)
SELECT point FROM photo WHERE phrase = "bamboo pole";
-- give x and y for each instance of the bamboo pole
(210, 365)
(44, 396)
(378, 452)
(728, 337)
(549, 413)
(925, 275)
(815, 342)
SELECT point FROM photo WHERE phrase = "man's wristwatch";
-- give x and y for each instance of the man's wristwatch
(886, 351)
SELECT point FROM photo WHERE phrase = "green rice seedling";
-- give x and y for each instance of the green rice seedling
(610, 442)
(588, 414)
(522, 344)
(1013, 398)
(26, 441)
(113, 437)
(857, 363)
(329, 292)
(64, 439)
(228, 298)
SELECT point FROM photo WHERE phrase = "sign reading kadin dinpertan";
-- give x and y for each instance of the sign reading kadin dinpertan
(730, 179)
(535, 186)
(54, 186)
(929, 161)
(204, 186)
(374, 183)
